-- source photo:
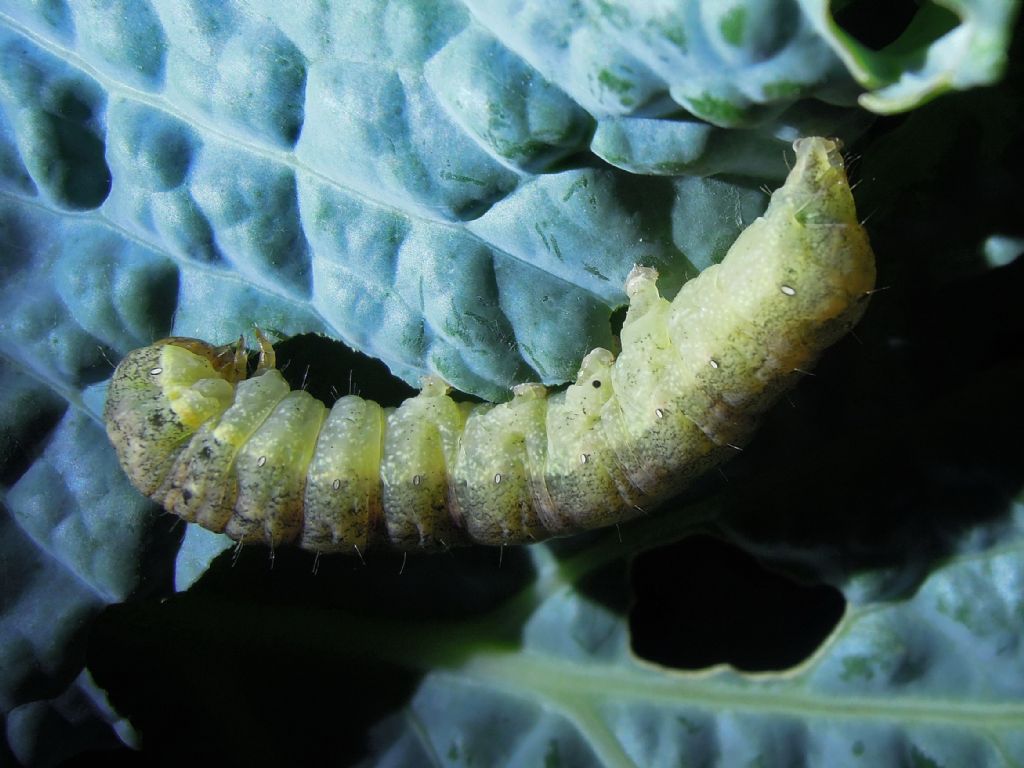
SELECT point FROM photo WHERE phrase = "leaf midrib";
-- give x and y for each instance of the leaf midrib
(568, 684)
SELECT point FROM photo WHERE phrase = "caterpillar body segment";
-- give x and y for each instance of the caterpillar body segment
(249, 457)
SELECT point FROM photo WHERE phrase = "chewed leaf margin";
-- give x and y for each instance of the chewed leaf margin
(948, 45)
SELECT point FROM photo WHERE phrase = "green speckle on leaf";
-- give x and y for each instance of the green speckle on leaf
(733, 24)
(687, 725)
(555, 249)
(456, 326)
(538, 228)
(618, 85)
(919, 759)
(857, 667)
(479, 318)
(670, 167)
(460, 177)
(675, 34)
(552, 758)
(782, 90)
(576, 186)
(614, 13)
(715, 110)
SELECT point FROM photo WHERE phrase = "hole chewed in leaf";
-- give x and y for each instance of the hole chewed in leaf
(879, 24)
(703, 602)
(328, 369)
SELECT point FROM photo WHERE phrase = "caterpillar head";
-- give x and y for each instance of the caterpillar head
(160, 394)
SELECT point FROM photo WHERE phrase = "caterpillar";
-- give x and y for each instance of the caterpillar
(248, 457)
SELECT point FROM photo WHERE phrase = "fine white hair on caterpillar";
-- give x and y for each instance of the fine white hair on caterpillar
(247, 456)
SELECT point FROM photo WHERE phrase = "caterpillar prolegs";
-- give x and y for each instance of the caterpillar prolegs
(249, 457)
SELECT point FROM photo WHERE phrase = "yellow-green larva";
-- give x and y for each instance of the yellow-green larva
(249, 457)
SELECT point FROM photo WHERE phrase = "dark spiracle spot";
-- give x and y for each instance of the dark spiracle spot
(704, 602)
